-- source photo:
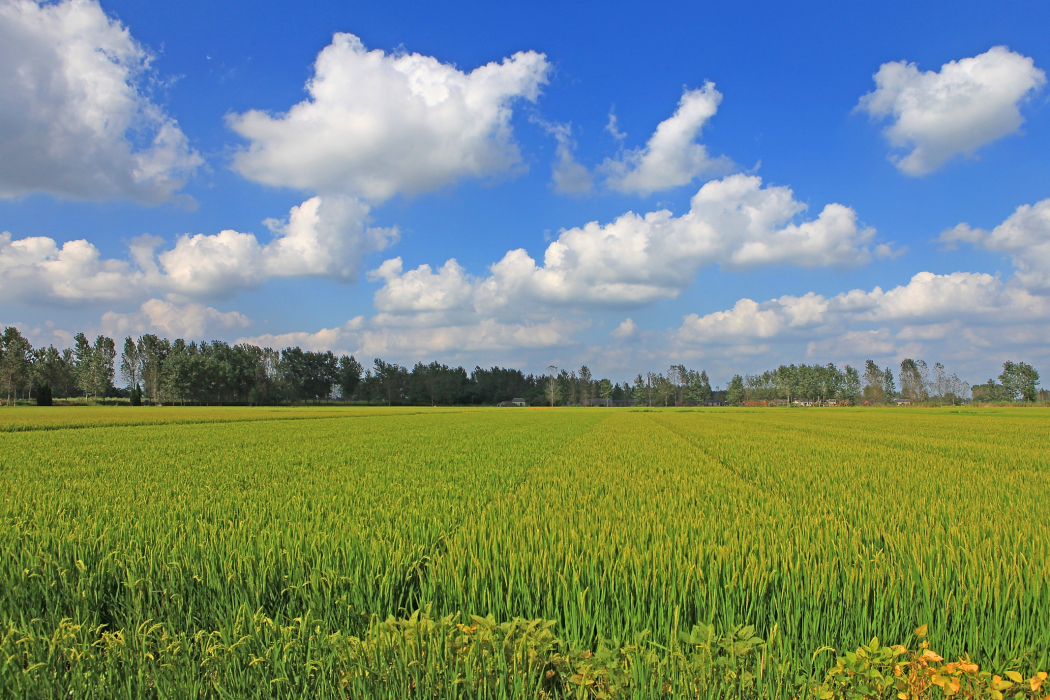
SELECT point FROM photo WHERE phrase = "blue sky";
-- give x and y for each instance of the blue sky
(827, 229)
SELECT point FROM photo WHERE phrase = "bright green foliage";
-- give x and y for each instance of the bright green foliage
(919, 673)
(228, 553)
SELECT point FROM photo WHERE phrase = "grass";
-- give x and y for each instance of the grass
(233, 552)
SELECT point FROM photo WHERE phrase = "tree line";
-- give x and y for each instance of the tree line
(162, 371)
(915, 382)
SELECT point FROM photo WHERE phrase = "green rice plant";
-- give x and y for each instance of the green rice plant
(30, 418)
(829, 529)
(344, 552)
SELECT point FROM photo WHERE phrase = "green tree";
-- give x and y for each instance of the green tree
(665, 389)
(153, 352)
(850, 390)
(1019, 381)
(605, 389)
(94, 364)
(15, 362)
(392, 379)
(131, 363)
(786, 379)
(874, 388)
(50, 369)
(913, 377)
(830, 381)
(103, 357)
(349, 376)
(691, 391)
(705, 387)
(638, 390)
(586, 384)
(735, 391)
(570, 385)
(889, 390)
(83, 355)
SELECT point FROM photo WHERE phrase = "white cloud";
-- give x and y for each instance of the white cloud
(484, 335)
(634, 260)
(930, 298)
(321, 341)
(750, 320)
(322, 237)
(612, 126)
(372, 338)
(745, 319)
(421, 289)
(626, 329)
(379, 124)
(951, 313)
(970, 321)
(926, 299)
(75, 119)
(567, 176)
(173, 321)
(37, 269)
(966, 105)
(671, 157)
(1024, 235)
(631, 261)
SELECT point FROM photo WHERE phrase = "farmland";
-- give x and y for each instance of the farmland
(229, 553)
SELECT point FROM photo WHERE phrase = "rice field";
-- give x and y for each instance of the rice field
(347, 552)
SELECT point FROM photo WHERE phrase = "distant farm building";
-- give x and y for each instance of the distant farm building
(513, 402)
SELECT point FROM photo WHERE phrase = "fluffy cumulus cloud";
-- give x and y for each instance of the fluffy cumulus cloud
(630, 262)
(626, 329)
(636, 259)
(957, 314)
(37, 269)
(671, 157)
(1024, 236)
(974, 319)
(322, 237)
(964, 106)
(378, 124)
(421, 290)
(75, 117)
(971, 321)
(173, 320)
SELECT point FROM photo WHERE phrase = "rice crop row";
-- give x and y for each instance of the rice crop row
(24, 418)
(262, 557)
(832, 531)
